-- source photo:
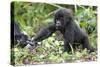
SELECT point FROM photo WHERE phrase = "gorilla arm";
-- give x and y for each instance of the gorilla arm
(44, 33)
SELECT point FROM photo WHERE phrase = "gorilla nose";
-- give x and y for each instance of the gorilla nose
(58, 23)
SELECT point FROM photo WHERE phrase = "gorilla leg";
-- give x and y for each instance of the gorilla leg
(66, 47)
(86, 44)
(69, 39)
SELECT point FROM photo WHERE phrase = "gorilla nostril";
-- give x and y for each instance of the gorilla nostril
(58, 23)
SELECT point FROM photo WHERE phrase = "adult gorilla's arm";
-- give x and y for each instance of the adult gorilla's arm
(44, 33)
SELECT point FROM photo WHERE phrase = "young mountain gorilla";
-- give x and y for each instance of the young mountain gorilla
(72, 33)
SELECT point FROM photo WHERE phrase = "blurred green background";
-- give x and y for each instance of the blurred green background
(34, 16)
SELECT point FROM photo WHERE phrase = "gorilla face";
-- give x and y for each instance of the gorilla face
(59, 20)
(59, 23)
(62, 18)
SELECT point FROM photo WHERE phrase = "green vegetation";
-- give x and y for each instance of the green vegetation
(33, 16)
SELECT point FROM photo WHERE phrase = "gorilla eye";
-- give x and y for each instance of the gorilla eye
(59, 18)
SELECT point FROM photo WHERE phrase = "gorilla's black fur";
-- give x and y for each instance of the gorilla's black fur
(17, 35)
(72, 33)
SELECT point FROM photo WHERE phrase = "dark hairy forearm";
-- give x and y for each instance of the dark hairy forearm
(44, 33)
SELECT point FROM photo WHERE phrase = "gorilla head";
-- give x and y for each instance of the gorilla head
(62, 18)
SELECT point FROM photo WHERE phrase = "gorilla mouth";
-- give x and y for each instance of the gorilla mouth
(58, 27)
